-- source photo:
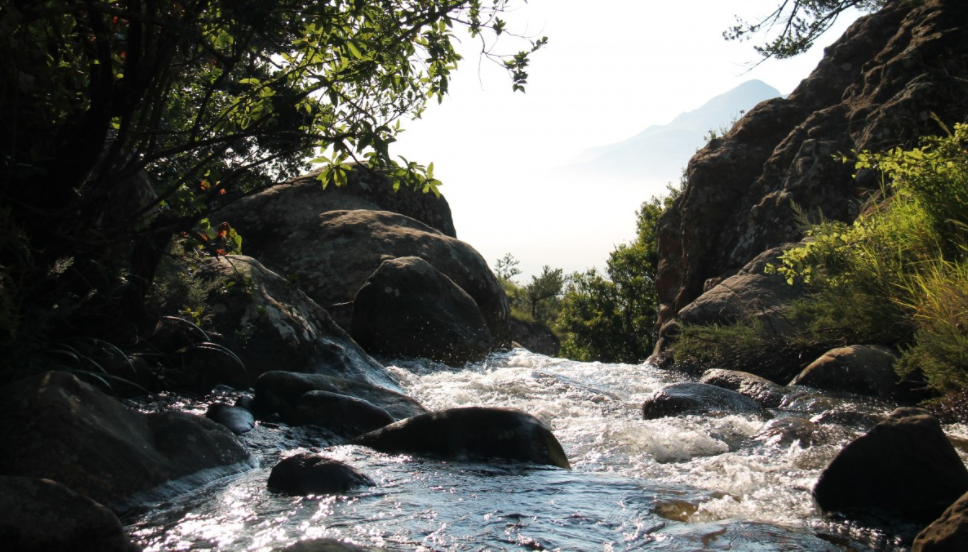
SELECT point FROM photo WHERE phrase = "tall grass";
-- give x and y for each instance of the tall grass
(899, 274)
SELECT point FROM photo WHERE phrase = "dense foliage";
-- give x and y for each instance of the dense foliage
(611, 317)
(126, 122)
(897, 276)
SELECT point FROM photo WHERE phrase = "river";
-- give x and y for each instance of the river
(679, 484)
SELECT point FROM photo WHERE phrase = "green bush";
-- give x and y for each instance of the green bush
(899, 274)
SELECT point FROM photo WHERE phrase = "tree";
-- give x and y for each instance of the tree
(800, 23)
(206, 100)
(612, 319)
(506, 267)
(542, 292)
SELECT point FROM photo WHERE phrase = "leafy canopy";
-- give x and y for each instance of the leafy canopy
(129, 121)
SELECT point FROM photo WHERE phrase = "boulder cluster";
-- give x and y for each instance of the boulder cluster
(336, 276)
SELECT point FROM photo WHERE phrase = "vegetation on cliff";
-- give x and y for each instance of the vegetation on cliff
(897, 276)
(606, 317)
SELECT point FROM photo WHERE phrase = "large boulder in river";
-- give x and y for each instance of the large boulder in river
(40, 515)
(280, 392)
(56, 427)
(330, 255)
(305, 474)
(766, 393)
(863, 369)
(474, 433)
(343, 415)
(876, 87)
(904, 467)
(681, 399)
(948, 533)
(271, 325)
(408, 309)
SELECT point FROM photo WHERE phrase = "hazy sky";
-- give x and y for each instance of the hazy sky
(611, 69)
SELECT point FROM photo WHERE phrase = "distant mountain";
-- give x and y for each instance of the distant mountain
(661, 151)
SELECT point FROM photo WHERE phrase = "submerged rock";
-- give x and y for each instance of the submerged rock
(475, 433)
(346, 416)
(696, 398)
(281, 391)
(948, 533)
(237, 419)
(784, 432)
(56, 427)
(408, 309)
(904, 467)
(40, 515)
(305, 474)
(766, 393)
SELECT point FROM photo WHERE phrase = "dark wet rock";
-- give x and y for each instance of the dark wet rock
(326, 545)
(407, 309)
(56, 427)
(40, 515)
(347, 246)
(766, 393)
(238, 420)
(783, 432)
(280, 392)
(535, 337)
(904, 467)
(343, 415)
(948, 533)
(876, 87)
(863, 369)
(696, 398)
(305, 474)
(475, 433)
(271, 325)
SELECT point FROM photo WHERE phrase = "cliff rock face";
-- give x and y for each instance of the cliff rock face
(877, 87)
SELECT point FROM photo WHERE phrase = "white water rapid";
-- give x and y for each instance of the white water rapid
(684, 483)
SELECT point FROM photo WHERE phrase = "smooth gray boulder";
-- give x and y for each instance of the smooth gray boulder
(473, 433)
(408, 309)
(904, 467)
(237, 419)
(681, 399)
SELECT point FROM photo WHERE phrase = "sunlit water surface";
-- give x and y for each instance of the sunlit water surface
(680, 484)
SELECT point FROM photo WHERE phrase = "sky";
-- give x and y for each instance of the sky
(611, 68)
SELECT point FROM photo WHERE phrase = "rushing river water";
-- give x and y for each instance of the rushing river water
(681, 484)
